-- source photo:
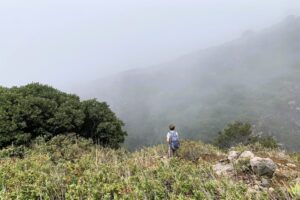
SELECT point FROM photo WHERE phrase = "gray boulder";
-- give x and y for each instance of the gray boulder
(246, 155)
(263, 166)
(233, 155)
(265, 182)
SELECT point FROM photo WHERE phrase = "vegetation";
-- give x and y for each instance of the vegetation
(70, 167)
(239, 133)
(56, 147)
(38, 110)
(295, 191)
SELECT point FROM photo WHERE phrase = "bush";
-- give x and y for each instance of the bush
(267, 142)
(234, 134)
(39, 110)
(12, 151)
(101, 124)
(67, 147)
(239, 133)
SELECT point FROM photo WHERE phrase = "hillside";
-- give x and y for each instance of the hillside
(254, 78)
(68, 167)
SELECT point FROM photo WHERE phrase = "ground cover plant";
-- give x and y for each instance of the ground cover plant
(71, 167)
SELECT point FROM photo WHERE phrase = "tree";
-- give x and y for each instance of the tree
(40, 110)
(101, 124)
(233, 134)
(241, 133)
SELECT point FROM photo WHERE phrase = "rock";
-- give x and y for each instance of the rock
(223, 169)
(246, 155)
(263, 166)
(265, 182)
(233, 155)
(291, 165)
(271, 190)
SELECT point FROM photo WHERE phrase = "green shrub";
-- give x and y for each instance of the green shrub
(13, 151)
(63, 147)
(234, 134)
(39, 110)
(267, 142)
(239, 133)
(242, 166)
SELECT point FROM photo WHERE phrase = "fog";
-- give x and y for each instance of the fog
(199, 64)
(254, 79)
(66, 42)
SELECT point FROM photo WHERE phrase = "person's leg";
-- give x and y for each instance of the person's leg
(174, 153)
(170, 151)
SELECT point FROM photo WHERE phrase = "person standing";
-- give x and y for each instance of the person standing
(172, 140)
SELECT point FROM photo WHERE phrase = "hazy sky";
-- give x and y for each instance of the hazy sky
(60, 42)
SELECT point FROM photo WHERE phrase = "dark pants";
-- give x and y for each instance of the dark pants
(171, 152)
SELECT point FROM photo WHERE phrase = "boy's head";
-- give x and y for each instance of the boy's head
(172, 127)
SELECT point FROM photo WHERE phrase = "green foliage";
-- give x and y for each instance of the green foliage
(243, 166)
(267, 142)
(101, 124)
(49, 170)
(233, 134)
(12, 151)
(68, 147)
(295, 191)
(239, 133)
(39, 110)
(295, 156)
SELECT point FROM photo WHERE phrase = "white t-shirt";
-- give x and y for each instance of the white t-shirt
(169, 135)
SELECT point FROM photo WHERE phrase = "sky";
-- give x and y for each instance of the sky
(65, 42)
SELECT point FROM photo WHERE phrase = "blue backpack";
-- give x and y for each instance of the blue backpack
(175, 144)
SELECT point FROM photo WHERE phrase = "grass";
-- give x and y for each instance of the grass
(73, 168)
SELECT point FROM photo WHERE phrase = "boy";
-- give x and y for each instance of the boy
(172, 140)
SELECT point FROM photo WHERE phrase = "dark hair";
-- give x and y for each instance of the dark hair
(172, 127)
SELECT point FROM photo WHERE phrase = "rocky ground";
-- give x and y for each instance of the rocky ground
(262, 171)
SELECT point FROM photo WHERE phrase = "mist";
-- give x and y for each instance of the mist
(63, 43)
(199, 64)
(253, 79)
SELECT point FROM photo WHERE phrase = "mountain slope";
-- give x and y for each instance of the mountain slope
(67, 167)
(254, 78)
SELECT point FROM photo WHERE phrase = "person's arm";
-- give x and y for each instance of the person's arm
(168, 137)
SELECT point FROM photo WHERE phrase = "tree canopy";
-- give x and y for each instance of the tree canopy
(39, 110)
(239, 133)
